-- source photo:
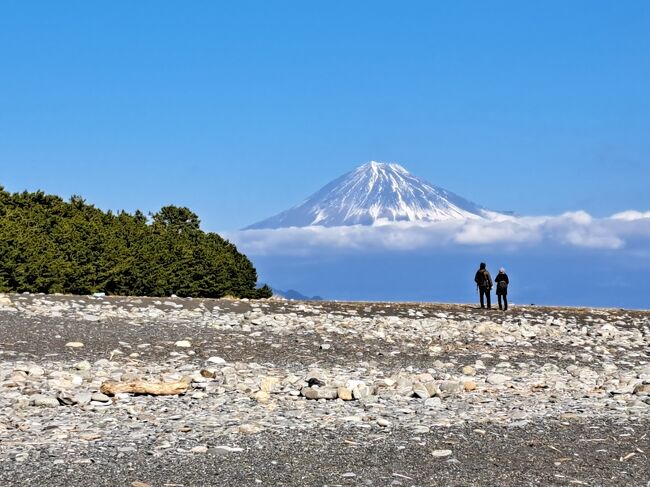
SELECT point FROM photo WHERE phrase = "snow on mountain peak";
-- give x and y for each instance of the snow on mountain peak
(377, 167)
(375, 193)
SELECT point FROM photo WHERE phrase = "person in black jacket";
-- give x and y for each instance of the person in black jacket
(483, 281)
(502, 282)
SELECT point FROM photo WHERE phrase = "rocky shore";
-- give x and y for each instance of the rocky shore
(321, 393)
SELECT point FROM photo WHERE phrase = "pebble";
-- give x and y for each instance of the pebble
(216, 361)
(22, 457)
(362, 391)
(320, 393)
(99, 397)
(496, 379)
(82, 398)
(83, 365)
(450, 387)
(345, 393)
(228, 449)
(35, 371)
(433, 403)
(441, 453)
(469, 385)
(262, 396)
(43, 401)
(469, 370)
(559, 364)
(642, 389)
(249, 429)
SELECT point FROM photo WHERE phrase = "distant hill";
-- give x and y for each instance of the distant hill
(54, 246)
(295, 295)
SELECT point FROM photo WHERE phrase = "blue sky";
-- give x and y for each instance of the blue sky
(241, 110)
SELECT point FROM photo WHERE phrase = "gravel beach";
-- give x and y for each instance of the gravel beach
(321, 393)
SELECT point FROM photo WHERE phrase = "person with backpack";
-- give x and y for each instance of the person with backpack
(483, 281)
(502, 288)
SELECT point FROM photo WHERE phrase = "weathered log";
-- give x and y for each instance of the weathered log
(111, 388)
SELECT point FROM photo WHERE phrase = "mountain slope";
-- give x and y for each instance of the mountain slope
(375, 193)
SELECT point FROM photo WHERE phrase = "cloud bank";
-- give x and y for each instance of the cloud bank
(573, 229)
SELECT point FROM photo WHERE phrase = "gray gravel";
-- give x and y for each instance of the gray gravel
(411, 394)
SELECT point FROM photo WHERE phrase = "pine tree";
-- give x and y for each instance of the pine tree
(52, 246)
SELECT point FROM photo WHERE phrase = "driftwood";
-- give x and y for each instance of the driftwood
(111, 388)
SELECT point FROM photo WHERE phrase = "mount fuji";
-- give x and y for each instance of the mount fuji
(376, 193)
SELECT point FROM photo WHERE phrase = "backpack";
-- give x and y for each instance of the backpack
(484, 280)
(502, 285)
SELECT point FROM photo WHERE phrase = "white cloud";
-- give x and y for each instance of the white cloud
(508, 232)
(631, 215)
(574, 229)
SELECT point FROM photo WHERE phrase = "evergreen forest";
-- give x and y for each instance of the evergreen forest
(50, 245)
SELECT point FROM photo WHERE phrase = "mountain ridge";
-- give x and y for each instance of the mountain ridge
(294, 295)
(376, 193)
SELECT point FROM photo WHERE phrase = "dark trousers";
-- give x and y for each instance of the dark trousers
(505, 301)
(485, 291)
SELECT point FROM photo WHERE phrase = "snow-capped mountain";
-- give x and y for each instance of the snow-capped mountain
(373, 194)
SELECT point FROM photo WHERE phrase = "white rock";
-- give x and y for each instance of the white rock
(320, 392)
(35, 371)
(433, 402)
(229, 449)
(99, 397)
(421, 391)
(216, 360)
(441, 453)
(83, 365)
(82, 398)
(41, 400)
(496, 379)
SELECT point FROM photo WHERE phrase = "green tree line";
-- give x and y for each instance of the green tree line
(54, 246)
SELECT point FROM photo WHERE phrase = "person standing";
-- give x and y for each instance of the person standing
(502, 282)
(483, 281)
